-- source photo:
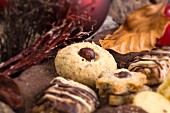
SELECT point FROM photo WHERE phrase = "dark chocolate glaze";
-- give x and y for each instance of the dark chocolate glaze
(142, 67)
(129, 109)
(121, 109)
(10, 94)
(157, 70)
(77, 90)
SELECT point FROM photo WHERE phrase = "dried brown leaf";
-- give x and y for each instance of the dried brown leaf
(140, 30)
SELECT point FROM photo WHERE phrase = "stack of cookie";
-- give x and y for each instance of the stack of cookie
(119, 87)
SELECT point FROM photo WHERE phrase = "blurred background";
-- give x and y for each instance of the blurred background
(14, 38)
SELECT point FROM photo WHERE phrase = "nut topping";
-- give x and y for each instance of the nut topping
(122, 74)
(87, 53)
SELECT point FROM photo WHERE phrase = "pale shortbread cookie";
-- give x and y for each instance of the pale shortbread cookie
(70, 64)
(164, 88)
(152, 102)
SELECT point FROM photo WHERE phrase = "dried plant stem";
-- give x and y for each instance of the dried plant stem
(70, 30)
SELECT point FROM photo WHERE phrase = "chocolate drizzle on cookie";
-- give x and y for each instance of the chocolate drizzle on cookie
(75, 96)
(153, 66)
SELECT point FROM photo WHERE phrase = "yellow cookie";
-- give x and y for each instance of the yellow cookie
(152, 102)
(164, 88)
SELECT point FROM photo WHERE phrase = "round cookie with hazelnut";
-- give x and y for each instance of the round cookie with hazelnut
(83, 62)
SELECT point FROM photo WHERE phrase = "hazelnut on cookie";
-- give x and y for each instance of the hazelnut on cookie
(83, 62)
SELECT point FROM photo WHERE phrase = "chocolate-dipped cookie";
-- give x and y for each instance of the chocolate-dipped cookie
(33, 81)
(10, 94)
(155, 67)
(66, 96)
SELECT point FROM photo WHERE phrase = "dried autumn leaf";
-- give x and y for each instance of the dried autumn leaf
(140, 30)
